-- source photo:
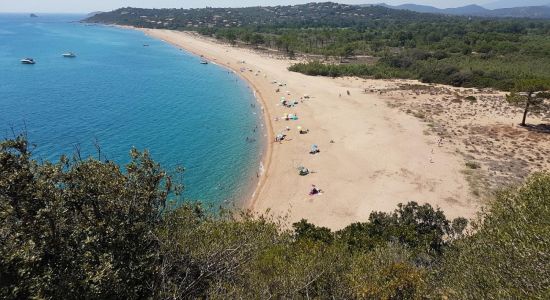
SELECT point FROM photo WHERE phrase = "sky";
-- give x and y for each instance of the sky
(86, 6)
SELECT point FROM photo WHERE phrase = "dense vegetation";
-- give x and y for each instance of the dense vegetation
(461, 51)
(87, 229)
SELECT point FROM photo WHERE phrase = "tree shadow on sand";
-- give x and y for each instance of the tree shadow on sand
(540, 128)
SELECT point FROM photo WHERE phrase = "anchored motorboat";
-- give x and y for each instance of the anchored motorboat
(69, 54)
(28, 61)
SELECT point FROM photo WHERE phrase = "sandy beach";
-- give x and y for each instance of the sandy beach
(480, 125)
(372, 155)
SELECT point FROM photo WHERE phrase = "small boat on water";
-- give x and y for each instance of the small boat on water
(204, 62)
(69, 54)
(145, 45)
(28, 61)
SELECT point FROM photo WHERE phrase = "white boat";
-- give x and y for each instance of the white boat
(69, 54)
(204, 62)
(28, 61)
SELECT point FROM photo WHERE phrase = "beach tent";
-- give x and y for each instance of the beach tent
(303, 171)
(291, 117)
(314, 149)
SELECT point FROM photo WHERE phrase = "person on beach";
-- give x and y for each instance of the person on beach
(314, 190)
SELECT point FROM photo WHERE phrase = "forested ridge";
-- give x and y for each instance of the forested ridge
(89, 229)
(460, 51)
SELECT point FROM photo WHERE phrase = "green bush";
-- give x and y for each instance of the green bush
(87, 229)
(507, 256)
(78, 228)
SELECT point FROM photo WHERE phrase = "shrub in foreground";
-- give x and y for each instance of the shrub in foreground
(87, 229)
(508, 254)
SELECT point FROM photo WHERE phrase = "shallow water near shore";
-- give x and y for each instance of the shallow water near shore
(124, 94)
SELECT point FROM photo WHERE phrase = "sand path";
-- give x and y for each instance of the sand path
(380, 156)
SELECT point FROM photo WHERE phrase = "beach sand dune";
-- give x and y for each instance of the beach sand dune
(371, 158)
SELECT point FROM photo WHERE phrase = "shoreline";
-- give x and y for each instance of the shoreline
(373, 155)
(252, 197)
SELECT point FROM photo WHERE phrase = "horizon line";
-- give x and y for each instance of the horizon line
(380, 3)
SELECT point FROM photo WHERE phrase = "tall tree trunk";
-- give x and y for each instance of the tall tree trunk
(527, 104)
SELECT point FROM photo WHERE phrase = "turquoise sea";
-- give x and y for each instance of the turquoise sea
(123, 94)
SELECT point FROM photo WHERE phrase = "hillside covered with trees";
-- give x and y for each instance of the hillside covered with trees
(88, 229)
(455, 50)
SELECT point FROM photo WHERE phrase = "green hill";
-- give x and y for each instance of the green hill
(454, 50)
